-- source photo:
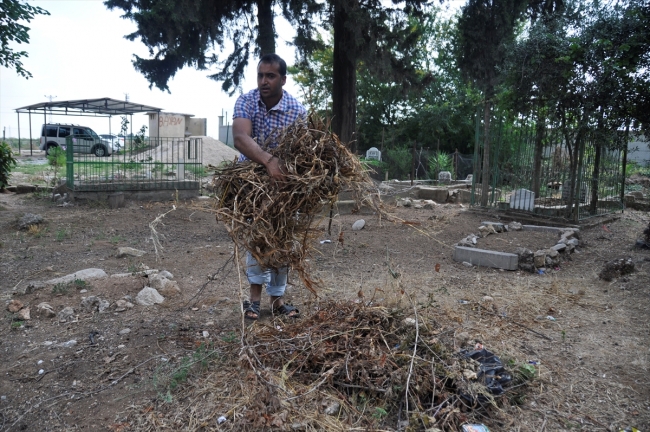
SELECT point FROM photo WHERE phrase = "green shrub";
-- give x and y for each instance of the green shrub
(399, 160)
(7, 163)
(441, 162)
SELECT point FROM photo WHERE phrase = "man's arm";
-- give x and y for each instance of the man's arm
(241, 131)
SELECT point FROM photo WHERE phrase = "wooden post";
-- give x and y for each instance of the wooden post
(413, 165)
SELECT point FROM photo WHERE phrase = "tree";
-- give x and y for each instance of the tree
(485, 29)
(194, 32)
(11, 31)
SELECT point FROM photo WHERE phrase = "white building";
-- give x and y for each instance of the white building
(176, 125)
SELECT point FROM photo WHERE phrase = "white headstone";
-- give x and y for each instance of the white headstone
(444, 176)
(522, 199)
(373, 153)
(469, 178)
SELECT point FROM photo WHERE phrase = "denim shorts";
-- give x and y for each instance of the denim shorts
(276, 281)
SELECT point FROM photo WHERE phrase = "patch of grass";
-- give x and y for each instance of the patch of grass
(116, 239)
(230, 337)
(80, 284)
(35, 230)
(379, 413)
(61, 234)
(17, 324)
(60, 288)
(168, 379)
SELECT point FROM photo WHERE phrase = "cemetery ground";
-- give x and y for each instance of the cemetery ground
(178, 365)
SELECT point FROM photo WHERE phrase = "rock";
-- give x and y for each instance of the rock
(28, 220)
(333, 408)
(69, 344)
(124, 331)
(129, 252)
(123, 304)
(559, 247)
(358, 225)
(166, 287)
(487, 298)
(418, 206)
(14, 306)
(85, 275)
(553, 253)
(166, 274)
(94, 304)
(148, 297)
(539, 258)
(637, 194)
(67, 314)
(410, 321)
(46, 310)
(406, 202)
(629, 199)
(467, 264)
(573, 242)
(23, 314)
(514, 226)
(616, 268)
(486, 230)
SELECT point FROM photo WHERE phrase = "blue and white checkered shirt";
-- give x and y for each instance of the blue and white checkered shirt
(266, 125)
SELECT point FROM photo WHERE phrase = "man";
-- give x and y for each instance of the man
(258, 117)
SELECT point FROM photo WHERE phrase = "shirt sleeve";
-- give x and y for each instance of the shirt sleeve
(243, 108)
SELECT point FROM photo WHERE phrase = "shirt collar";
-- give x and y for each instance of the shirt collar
(280, 106)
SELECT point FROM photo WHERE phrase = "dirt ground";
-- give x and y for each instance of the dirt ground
(592, 356)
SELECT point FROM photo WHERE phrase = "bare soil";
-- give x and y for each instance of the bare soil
(592, 357)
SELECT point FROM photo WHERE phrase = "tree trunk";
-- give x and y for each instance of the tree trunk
(485, 174)
(265, 31)
(344, 80)
(537, 158)
(624, 162)
(593, 205)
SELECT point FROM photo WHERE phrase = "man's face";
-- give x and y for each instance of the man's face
(269, 80)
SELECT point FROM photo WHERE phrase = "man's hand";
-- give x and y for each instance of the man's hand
(275, 169)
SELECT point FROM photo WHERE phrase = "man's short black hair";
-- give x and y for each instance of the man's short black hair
(274, 58)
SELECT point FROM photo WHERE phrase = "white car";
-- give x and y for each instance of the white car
(83, 138)
(117, 142)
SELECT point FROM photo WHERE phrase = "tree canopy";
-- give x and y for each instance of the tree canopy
(12, 12)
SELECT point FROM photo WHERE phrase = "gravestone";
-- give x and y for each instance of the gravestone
(469, 178)
(373, 153)
(522, 199)
(444, 176)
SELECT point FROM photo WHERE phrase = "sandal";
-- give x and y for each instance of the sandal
(285, 311)
(252, 307)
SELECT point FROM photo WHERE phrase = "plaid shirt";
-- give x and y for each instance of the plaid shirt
(266, 125)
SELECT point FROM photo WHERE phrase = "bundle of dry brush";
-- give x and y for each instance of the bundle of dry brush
(274, 220)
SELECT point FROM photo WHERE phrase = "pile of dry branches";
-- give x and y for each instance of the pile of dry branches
(347, 367)
(274, 220)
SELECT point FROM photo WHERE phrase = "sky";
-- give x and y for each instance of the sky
(79, 52)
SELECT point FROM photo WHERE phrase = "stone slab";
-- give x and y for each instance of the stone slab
(550, 229)
(494, 224)
(486, 258)
(436, 194)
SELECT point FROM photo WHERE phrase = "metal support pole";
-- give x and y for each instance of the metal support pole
(31, 147)
(18, 133)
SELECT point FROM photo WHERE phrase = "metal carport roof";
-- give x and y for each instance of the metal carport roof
(90, 107)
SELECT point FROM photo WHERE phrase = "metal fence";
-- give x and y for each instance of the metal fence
(539, 174)
(140, 164)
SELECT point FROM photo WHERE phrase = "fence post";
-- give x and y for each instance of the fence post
(413, 165)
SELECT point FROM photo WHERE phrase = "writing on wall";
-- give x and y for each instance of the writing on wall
(169, 120)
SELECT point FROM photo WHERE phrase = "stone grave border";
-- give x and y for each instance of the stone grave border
(466, 251)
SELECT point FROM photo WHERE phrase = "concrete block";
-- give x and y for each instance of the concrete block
(549, 229)
(116, 200)
(487, 258)
(436, 194)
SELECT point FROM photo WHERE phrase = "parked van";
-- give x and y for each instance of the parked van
(84, 139)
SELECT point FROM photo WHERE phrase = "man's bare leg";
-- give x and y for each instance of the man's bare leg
(256, 295)
(277, 302)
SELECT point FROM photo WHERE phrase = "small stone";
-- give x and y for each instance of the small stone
(514, 226)
(463, 338)
(166, 287)
(487, 298)
(148, 297)
(23, 314)
(67, 314)
(358, 225)
(409, 321)
(467, 264)
(539, 258)
(41, 371)
(121, 346)
(129, 252)
(573, 242)
(333, 408)
(166, 274)
(14, 306)
(125, 331)
(206, 333)
(69, 344)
